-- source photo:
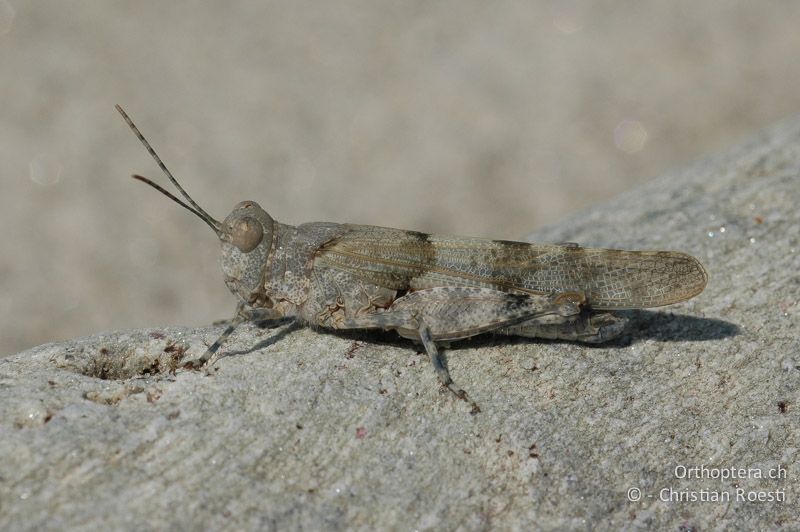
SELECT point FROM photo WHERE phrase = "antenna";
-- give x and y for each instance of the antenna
(195, 208)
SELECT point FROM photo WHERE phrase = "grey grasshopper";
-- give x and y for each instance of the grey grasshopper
(431, 288)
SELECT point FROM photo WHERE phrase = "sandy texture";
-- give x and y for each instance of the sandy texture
(303, 429)
(468, 117)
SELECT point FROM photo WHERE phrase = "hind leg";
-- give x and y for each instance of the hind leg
(589, 326)
(451, 313)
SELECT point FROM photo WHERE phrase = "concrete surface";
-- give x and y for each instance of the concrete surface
(308, 430)
(460, 116)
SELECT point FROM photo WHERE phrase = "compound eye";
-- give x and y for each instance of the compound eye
(247, 234)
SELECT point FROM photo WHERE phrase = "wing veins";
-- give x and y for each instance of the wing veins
(431, 268)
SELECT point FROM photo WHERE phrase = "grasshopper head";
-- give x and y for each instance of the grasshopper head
(246, 234)
(246, 238)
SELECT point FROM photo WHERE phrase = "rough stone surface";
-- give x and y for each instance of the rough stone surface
(302, 429)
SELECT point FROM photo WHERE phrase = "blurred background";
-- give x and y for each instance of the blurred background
(468, 117)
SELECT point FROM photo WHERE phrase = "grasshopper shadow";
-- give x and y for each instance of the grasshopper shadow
(642, 325)
(289, 326)
(669, 327)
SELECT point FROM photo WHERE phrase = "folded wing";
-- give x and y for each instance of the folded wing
(610, 279)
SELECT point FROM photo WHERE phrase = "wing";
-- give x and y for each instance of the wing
(609, 278)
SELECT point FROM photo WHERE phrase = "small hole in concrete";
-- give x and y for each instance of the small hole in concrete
(120, 362)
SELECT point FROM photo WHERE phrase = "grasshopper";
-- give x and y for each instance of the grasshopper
(430, 288)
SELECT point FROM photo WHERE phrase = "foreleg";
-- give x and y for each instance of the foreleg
(242, 315)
